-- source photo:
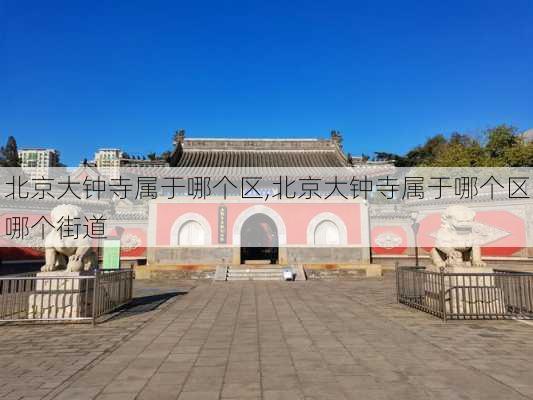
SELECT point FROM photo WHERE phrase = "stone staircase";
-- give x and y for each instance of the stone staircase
(251, 273)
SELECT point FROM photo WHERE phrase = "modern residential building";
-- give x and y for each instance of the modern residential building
(107, 157)
(109, 161)
(36, 162)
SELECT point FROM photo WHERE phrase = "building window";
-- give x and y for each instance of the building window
(327, 233)
(191, 233)
(190, 229)
(327, 229)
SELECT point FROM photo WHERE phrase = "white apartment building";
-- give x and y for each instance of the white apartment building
(37, 162)
(108, 162)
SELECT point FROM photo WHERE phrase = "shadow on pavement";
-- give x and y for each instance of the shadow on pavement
(144, 304)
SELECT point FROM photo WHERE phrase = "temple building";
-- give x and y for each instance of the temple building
(276, 153)
(320, 233)
(323, 236)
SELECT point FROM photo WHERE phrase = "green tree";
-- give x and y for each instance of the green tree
(460, 151)
(11, 153)
(165, 155)
(499, 140)
(426, 154)
(501, 147)
(520, 155)
(459, 155)
(399, 161)
(58, 160)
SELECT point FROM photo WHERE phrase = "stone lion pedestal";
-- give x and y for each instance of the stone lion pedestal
(472, 292)
(61, 294)
(458, 271)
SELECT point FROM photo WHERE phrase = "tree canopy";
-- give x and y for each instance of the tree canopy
(10, 153)
(500, 146)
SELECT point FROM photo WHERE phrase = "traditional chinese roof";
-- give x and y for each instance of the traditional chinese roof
(250, 153)
(300, 157)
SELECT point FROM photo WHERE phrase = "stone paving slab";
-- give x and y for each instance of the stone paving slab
(37, 359)
(283, 340)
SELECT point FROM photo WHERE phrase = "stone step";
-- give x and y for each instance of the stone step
(257, 262)
(243, 271)
(275, 275)
(229, 277)
(255, 278)
(266, 272)
(258, 267)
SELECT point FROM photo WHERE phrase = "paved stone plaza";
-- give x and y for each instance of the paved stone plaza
(268, 340)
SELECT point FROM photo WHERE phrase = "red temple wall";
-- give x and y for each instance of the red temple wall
(296, 217)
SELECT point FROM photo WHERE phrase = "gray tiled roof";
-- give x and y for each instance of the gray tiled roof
(261, 153)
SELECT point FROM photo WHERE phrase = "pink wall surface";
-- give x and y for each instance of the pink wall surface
(296, 217)
(512, 243)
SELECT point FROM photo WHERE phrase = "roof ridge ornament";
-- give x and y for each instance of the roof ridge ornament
(179, 136)
(336, 137)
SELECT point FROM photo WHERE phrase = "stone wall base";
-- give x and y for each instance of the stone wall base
(342, 271)
(232, 255)
(179, 272)
(510, 263)
(312, 271)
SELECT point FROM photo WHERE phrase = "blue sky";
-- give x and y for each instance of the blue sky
(81, 75)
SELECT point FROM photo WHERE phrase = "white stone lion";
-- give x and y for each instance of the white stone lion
(457, 243)
(74, 254)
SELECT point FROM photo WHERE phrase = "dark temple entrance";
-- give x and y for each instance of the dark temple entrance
(259, 240)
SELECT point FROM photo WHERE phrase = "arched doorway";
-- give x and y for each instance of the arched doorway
(259, 239)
